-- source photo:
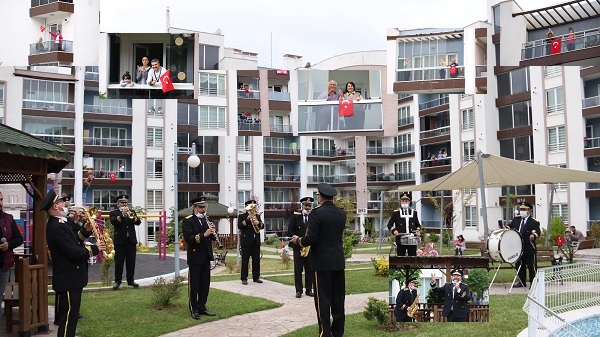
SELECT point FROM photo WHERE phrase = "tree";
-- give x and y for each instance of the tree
(351, 237)
(478, 280)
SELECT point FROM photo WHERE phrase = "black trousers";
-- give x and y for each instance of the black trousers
(452, 318)
(254, 252)
(198, 286)
(330, 288)
(529, 261)
(125, 253)
(69, 303)
(401, 250)
(299, 264)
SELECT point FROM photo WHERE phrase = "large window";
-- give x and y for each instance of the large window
(244, 143)
(274, 172)
(154, 137)
(243, 196)
(519, 190)
(187, 114)
(105, 136)
(204, 144)
(106, 199)
(561, 210)
(209, 57)
(403, 170)
(519, 148)
(513, 82)
(154, 168)
(323, 147)
(468, 121)
(212, 117)
(404, 116)
(204, 173)
(470, 216)
(108, 164)
(1, 95)
(274, 225)
(243, 171)
(212, 84)
(52, 129)
(154, 199)
(515, 115)
(403, 143)
(47, 95)
(496, 18)
(321, 173)
(468, 151)
(556, 139)
(274, 145)
(152, 231)
(555, 100)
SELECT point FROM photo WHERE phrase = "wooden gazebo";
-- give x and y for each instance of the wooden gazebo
(27, 160)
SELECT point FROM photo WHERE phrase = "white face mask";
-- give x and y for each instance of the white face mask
(412, 287)
(306, 211)
(200, 215)
(64, 212)
(523, 214)
(405, 206)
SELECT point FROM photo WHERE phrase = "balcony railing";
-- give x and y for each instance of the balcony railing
(593, 186)
(91, 76)
(321, 153)
(50, 47)
(281, 128)
(244, 148)
(591, 142)
(552, 71)
(274, 205)
(1, 102)
(154, 175)
(555, 108)
(405, 121)
(244, 176)
(36, 3)
(539, 48)
(97, 174)
(391, 177)
(53, 106)
(325, 117)
(111, 110)
(155, 112)
(431, 223)
(391, 150)
(436, 162)
(106, 142)
(434, 102)
(281, 177)
(347, 178)
(480, 71)
(427, 74)
(590, 102)
(213, 124)
(57, 139)
(279, 96)
(246, 126)
(444, 130)
(251, 94)
(212, 91)
(280, 150)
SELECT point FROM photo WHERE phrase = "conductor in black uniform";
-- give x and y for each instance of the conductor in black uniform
(124, 221)
(404, 300)
(297, 225)
(69, 262)
(456, 297)
(404, 221)
(199, 235)
(529, 230)
(250, 226)
(325, 236)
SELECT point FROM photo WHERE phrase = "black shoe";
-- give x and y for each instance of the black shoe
(310, 293)
(518, 285)
(258, 281)
(245, 282)
(117, 285)
(196, 315)
(207, 313)
(298, 294)
(133, 284)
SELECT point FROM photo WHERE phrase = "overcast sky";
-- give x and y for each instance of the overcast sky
(319, 29)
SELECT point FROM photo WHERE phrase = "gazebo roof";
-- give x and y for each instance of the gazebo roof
(213, 208)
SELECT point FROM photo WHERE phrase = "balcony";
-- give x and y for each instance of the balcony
(428, 74)
(430, 79)
(58, 139)
(334, 179)
(481, 71)
(251, 94)
(110, 110)
(214, 125)
(405, 121)
(49, 106)
(92, 76)
(590, 102)
(278, 96)
(591, 142)
(221, 92)
(391, 150)
(584, 48)
(248, 126)
(273, 205)
(51, 52)
(281, 177)
(434, 102)
(436, 162)
(391, 177)
(325, 117)
(280, 150)
(442, 131)
(57, 9)
(108, 142)
(281, 128)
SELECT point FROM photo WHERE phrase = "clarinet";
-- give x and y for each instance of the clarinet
(215, 235)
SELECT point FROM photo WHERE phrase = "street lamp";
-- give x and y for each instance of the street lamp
(193, 161)
(230, 210)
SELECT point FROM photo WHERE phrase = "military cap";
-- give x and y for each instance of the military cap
(525, 204)
(123, 198)
(51, 199)
(457, 272)
(199, 202)
(405, 196)
(251, 201)
(413, 280)
(307, 200)
(326, 190)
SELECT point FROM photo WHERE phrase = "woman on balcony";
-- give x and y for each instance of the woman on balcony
(571, 40)
(549, 37)
(358, 120)
(57, 39)
(141, 74)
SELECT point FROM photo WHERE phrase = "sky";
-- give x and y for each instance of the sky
(318, 30)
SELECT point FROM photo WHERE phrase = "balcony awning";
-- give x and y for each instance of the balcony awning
(562, 13)
(448, 35)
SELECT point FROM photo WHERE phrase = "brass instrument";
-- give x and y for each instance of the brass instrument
(131, 214)
(251, 208)
(90, 217)
(305, 250)
(410, 312)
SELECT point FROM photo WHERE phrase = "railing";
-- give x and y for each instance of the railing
(431, 223)
(391, 150)
(480, 71)
(444, 130)
(561, 297)
(593, 186)
(332, 179)
(281, 177)
(468, 158)
(275, 205)
(436, 162)
(591, 142)
(36, 3)
(281, 128)
(64, 46)
(279, 96)
(391, 177)
(97, 174)
(155, 111)
(557, 147)
(434, 102)
(212, 124)
(429, 73)
(321, 153)
(57, 139)
(555, 108)
(539, 48)
(279, 150)
(405, 121)
(111, 110)
(54, 106)
(373, 204)
(92, 76)
(465, 96)
(590, 102)
(244, 176)
(252, 94)
(552, 71)
(325, 117)
(246, 126)
(106, 142)
(154, 175)
(212, 91)
(244, 148)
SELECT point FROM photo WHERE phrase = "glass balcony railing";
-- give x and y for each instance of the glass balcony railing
(428, 74)
(591, 102)
(279, 96)
(58, 139)
(248, 126)
(50, 47)
(91, 76)
(391, 150)
(53, 106)
(281, 128)
(251, 94)
(543, 47)
(591, 142)
(106, 142)
(434, 102)
(281, 177)
(445, 130)
(213, 124)
(322, 153)
(480, 71)
(325, 117)
(280, 150)
(37, 3)
(346, 178)
(593, 186)
(405, 121)
(111, 110)
(391, 176)
(436, 162)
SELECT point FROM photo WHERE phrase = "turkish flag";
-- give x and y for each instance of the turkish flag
(346, 108)
(555, 47)
(246, 90)
(165, 80)
(42, 28)
(560, 241)
(113, 177)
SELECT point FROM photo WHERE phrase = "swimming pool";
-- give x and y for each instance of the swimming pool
(589, 326)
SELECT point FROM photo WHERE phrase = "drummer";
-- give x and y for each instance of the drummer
(405, 222)
(529, 230)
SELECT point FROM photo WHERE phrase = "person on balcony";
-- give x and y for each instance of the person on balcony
(407, 72)
(126, 80)
(155, 73)
(57, 40)
(324, 116)
(443, 65)
(141, 73)
(39, 46)
(454, 69)
(549, 38)
(571, 40)
(358, 120)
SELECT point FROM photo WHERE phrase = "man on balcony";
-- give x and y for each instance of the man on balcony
(325, 116)
(155, 73)
(404, 223)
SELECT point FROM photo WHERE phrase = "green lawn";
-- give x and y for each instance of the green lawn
(357, 281)
(507, 318)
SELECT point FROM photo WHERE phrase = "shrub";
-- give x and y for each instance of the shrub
(434, 297)
(105, 278)
(381, 265)
(271, 240)
(433, 237)
(351, 239)
(595, 232)
(477, 280)
(557, 227)
(377, 309)
(165, 291)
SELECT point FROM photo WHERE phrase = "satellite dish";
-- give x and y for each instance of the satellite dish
(219, 31)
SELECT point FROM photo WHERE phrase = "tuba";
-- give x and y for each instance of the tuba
(410, 312)
(90, 216)
(252, 217)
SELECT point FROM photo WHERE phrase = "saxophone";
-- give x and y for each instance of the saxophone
(91, 215)
(410, 312)
(251, 208)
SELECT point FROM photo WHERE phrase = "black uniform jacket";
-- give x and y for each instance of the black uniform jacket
(398, 222)
(459, 303)
(404, 300)
(247, 234)
(197, 252)
(124, 225)
(531, 226)
(296, 227)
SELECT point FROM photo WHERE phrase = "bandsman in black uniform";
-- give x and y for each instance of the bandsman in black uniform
(325, 237)
(69, 262)
(404, 300)
(456, 297)
(124, 221)
(199, 235)
(529, 230)
(250, 226)
(404, 221)
(297, 225)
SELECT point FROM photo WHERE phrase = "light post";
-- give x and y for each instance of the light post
(230, 210)
(193, 161)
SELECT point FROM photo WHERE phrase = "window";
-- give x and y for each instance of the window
(496, 17)
(469, 191)
(404, 116)
(274, 225)
(154, 199)
(209, 57)
(556, 139)
(552, 71)
(92, 73)
(46, 95)
(323, 147)
(375, 146)
(106, 200)
(470, 216)
(560, 186)
(274, 145)
(204, 173)
(155, 108)
(212, 84)
(276, 124)
(403, 170)
(468, 121)
(244, 143)
(274, 172)
(187, 114)
(152, 231)
(1, 95)
(519, 190)
(243, 171)
(403, 143)
(274, 195)
(520, 148)
(321, 173)
(53, 129)
(468, 151)
(109, 165)
(554, 100)
(154, 168)
(515, 115)
(204, 144)
(243, 196)
(212, 117)
(561, 210)
(104, 136)
(513, 82)
(154, 137)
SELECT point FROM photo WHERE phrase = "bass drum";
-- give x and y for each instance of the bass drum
(505, 245)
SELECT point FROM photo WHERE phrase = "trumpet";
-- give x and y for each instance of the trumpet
(90, 216)
(253, 218)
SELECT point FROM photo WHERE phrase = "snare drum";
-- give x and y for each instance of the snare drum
(409, 240)
(505, 245)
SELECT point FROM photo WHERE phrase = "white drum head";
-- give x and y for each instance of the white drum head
(511, 246)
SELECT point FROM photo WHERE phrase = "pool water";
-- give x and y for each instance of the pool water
(589, 326)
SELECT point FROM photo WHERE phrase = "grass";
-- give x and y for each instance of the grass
(357, 281)
(507, 318)
(130, 314)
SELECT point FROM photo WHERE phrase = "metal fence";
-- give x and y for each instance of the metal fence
(562, 298)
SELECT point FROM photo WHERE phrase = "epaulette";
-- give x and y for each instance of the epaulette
(316, 207)
(397, 210)
(535, 219)
(405, 288)
(189, 216)
(297, 213)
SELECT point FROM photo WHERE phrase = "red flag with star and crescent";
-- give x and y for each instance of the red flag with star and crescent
(165, 80)
(346, 108)
(555, 47)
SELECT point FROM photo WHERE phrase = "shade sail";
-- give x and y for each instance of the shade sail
(500, 171)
